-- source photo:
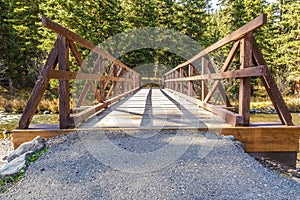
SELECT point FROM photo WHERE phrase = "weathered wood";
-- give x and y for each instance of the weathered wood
(230, 117)
(64, 85)
(84, 115)
(67, 75)
(117, 73)
(203, 82)
(223, 69)
(255, 139)
(38, 90)
(272, 90)
(245, 82)
(75, 37)
(266, 139)
(181, 83)
(220, 86)
(84, 69)
(21, 136)
(241, 32)
(241, 73)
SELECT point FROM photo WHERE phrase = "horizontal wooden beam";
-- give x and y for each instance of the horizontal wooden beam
(255, 138)
(247, 72)
(266, 139)
(24, 135)
(67, 75)
(229, 117)
(238, 34)
(75, 37)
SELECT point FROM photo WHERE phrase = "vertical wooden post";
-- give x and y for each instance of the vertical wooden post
(167, 83)
(101, 71)
(190, 82)
(203, 71)
(176, 83)
(181, 82)
(64, 85)
(245, 83)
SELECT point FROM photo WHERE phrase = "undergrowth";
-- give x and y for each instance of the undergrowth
(9, 181)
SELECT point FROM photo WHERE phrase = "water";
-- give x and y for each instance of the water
(10, 121)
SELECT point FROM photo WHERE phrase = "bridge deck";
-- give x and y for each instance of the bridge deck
(154, 108)
(161, 109)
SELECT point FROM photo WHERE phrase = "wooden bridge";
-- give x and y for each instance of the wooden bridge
(185, 100)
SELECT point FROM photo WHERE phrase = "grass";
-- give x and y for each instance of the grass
(292, 102)
(9, 181)
(17, 105)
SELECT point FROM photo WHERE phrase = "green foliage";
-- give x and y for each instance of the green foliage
(11, 180)
(24, 43)
(35, 156)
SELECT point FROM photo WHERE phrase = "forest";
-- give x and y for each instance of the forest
(25, 44)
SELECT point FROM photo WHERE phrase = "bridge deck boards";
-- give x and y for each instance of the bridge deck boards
(154, 108)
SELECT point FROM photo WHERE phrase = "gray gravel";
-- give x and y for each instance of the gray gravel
(6, 147)
(210, 168)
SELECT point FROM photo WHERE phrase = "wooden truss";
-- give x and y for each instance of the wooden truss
(252, 64)
(59, 55)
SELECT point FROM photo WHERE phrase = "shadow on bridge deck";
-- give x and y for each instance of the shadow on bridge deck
(154, 109)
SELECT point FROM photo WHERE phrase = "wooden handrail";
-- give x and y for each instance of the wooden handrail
(75, 37)
(238, 34)
(247, 72)
(67, 75)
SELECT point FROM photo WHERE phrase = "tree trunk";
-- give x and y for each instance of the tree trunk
(297, 89)
(10, 84)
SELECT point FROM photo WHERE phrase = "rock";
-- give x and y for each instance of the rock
(6, 132)
(229, 137)
(35, 145)
(15, 166)
(239, 145)
(47, 112)
(292, 171)
(252, 111)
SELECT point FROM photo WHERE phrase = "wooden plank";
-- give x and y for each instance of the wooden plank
(67, 75)
(181, 83)
(75, 37)
(223, 69)
(21, 136)
(272, 90)
(38, 90)
(64, 85)
(191, 88)
(241, 73)
(204, 87)
(245, 82)
(266, 139)
(239, 33)
(84, 115)
(84, 69)
(230, 117)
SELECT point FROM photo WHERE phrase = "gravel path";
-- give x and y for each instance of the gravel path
(169, 165)
(6, 147)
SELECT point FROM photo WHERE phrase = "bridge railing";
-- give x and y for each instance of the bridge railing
(185, 78)
(110, 79)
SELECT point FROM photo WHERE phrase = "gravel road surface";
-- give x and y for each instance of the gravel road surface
(147, 165)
